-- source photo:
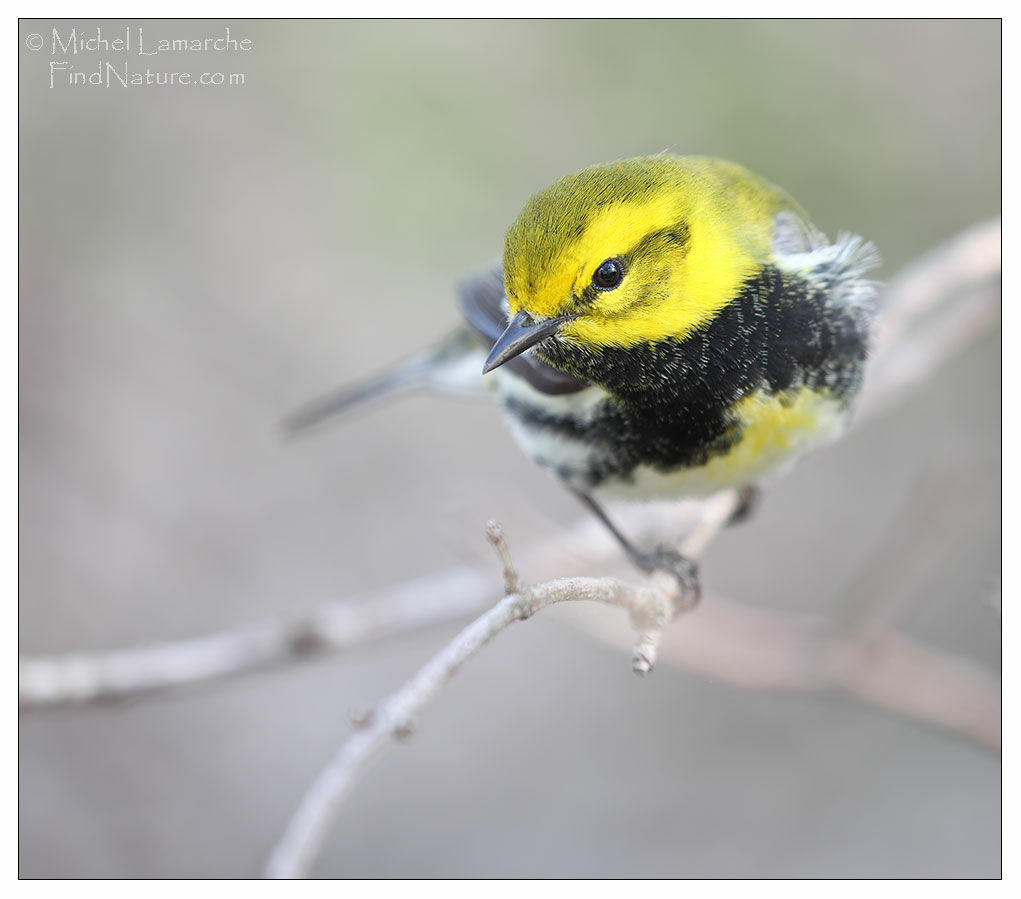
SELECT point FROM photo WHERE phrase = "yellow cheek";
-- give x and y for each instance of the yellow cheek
(700, 285)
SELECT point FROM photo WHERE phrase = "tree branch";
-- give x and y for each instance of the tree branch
(725, 640)
(650, 608)
(81, 678)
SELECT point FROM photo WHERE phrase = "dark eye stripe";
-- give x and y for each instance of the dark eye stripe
(676, 233)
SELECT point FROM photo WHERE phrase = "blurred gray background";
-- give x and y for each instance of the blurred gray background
(196, 261)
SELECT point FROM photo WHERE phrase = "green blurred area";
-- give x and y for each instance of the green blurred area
(890, 129)
(455, 121)
(195, 261)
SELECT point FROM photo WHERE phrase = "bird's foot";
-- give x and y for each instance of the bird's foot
(684, 570)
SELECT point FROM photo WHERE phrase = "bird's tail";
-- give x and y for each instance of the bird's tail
(452, 366)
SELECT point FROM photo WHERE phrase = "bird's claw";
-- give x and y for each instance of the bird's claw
(684, 570)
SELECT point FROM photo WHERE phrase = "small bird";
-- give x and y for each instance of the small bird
(666, 326)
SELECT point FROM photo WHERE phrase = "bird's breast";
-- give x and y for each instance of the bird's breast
(592, 441)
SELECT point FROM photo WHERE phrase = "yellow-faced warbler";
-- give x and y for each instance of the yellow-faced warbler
(663, 326)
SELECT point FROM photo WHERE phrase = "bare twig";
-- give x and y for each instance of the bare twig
(510, 577)
(772, 649)
(757, 648)
(123, 674)
(650, 609)
(931, 310)
(969, 259)
(895, 672)
(303, 838)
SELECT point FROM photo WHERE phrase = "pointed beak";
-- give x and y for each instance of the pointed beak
(522, 333)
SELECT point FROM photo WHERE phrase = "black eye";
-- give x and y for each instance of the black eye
(608, 275)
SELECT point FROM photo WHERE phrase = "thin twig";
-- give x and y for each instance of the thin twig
(80, 678)
(301, 842)
(882, 669)
(650, 608)
(494, 532)
(794, 652)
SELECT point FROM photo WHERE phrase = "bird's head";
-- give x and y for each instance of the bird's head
(633, 251)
